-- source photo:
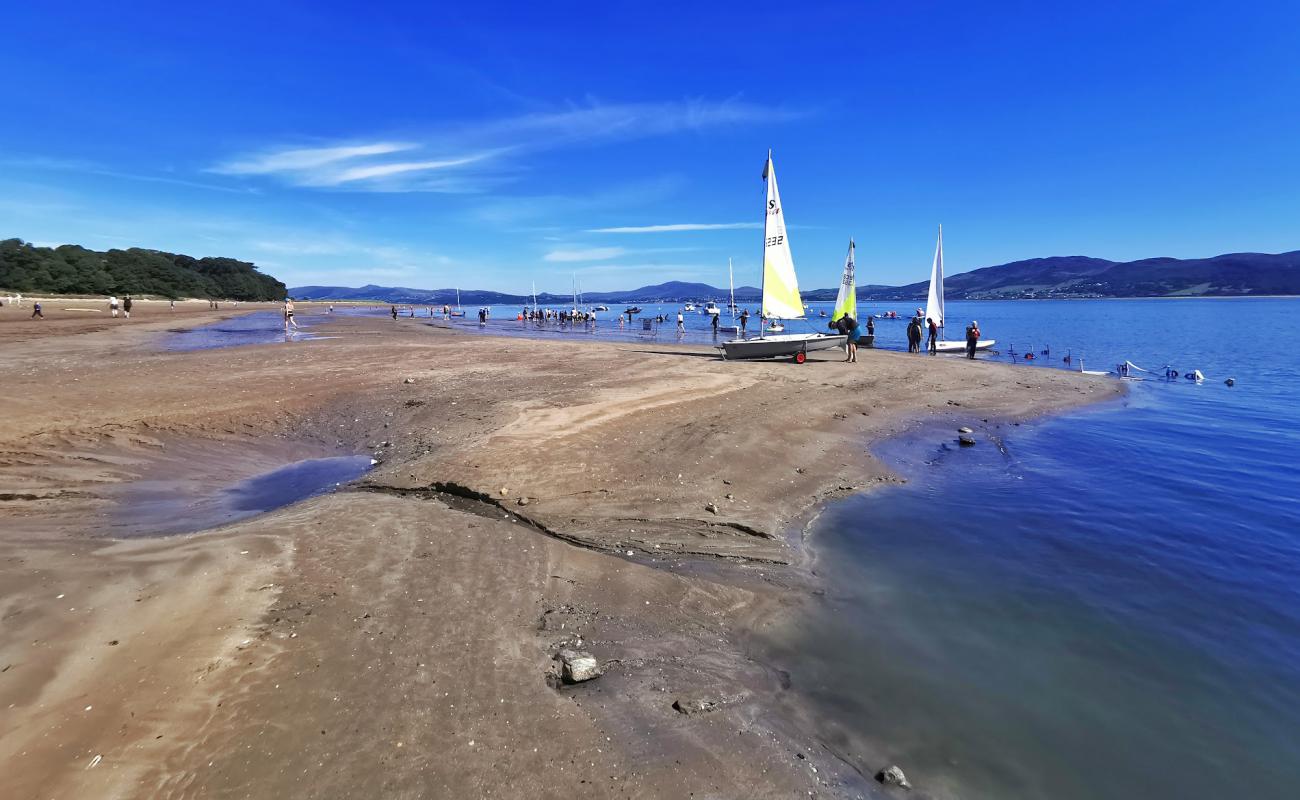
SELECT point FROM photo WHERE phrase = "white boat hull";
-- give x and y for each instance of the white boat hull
(786, 345)
(959, 347)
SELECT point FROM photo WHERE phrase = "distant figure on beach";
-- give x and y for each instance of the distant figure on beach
(173, 305)
(871, 327)
(36, 311)
(972, 338)
(681, 323)
(331, 310)
(714, 323)
(394, 312)
(744, 320)
(934, 336)
(126, 307)
(112, 305)
(914, 335)
(288, 314)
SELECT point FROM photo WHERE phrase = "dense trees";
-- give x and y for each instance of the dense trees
(70, 269)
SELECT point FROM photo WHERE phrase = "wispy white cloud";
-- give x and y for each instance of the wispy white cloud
(92, 168)
(681, 226)
(588, 254)
(308, 158)
(486, 152)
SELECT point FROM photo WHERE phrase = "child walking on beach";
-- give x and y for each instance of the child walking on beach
(288, 315)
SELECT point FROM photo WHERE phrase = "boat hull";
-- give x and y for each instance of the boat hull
(786, 345)
(960, 347)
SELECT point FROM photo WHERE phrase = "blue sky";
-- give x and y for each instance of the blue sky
(490, 145)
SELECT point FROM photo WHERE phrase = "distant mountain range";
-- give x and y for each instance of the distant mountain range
(1056, 277)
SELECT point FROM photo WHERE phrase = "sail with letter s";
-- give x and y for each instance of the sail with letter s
(934, 303)
(846, 303)
(780, 286)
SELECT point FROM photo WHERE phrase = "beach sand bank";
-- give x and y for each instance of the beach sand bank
(397, 637)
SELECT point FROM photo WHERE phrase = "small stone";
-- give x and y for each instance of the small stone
(578, 666)
(523, 501)
(966, 440)
(694, 706)
(409, 380)
(893, 776)
(964, 429)
(504, 491)
(712, 508)
(731, 497)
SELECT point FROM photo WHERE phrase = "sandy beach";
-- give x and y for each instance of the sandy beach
(397, 637)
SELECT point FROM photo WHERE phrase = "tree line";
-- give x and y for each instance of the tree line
(72, 269)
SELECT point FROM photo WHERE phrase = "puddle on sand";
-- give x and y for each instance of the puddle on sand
(158, 507)
(259, 327)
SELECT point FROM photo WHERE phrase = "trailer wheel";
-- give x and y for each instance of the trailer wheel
(800, 357)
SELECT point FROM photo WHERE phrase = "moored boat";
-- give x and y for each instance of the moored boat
(781, 300)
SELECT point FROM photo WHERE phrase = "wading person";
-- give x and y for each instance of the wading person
(288, 315)
(715, 324)
(972, 338)
(681, 323)
(744, 320)
(933, 344)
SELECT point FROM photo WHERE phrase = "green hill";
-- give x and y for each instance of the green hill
(71, 269)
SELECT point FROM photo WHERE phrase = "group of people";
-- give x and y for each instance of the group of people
(921, 328)
(125, 304)
(563, 316)
(926, 328)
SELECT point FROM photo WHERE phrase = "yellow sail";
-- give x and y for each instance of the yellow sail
(846, 302)
(780, 287)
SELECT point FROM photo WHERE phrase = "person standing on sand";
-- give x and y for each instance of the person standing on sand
(173, 305)
(849, 327)
(934, 336)
(126, 307)
(112, 305)
(393, 311)
(36, 311)
(972, 338)
(288, 314)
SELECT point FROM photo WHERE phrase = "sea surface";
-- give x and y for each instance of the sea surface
(259, 327)
(1100, 604)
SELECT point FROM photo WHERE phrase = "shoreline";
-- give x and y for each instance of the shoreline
(593, 443)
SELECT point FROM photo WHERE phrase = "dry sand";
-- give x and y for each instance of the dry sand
(395, 638)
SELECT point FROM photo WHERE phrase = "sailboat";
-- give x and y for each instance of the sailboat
(846, 302)
(459, 312)
(934, 306)
(781, 298)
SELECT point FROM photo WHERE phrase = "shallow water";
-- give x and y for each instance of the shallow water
(259, 327)
(1108, 607)
(182, 504)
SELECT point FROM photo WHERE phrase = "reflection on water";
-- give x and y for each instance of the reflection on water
(259, 327)
(180, 505)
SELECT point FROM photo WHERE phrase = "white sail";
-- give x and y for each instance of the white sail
(934, 303)
(846, 303)
(780, 286)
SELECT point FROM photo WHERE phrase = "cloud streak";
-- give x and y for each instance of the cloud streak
(588, 254)
(681, 226)
(477, 154)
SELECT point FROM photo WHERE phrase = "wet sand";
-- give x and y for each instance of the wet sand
(395, 638)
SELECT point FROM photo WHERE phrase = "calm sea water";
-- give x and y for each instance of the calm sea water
(1108, 605)
(259, 327)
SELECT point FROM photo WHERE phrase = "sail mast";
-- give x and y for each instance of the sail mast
(762, 286)
(731, 282)
(934, 302)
